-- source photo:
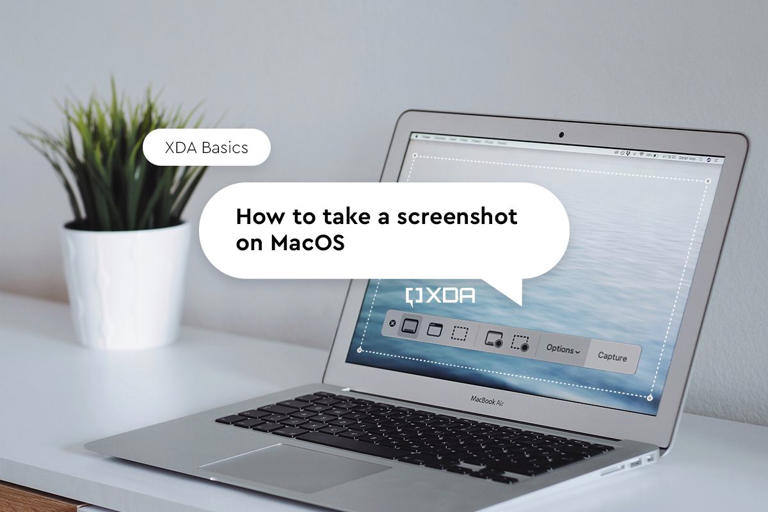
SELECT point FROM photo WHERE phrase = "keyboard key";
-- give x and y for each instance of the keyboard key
(350, 444)
(597, 448)
(525, 468)
(410, 459)
(278, 409)
(313, 425)
(324, 418)
(308, 398)
(433, 463)
(303, 414)
(248, 423)
(326, 401)
(293, 422)
(290, 431)
(268, 427)
(274, 418)
(347, 405)
(228, 420)
(317, 408)
(253, 413)
(342, 422)
(295, 404)
(458, 469)
(332, 429)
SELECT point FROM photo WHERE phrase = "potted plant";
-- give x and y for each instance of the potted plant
(125, 251)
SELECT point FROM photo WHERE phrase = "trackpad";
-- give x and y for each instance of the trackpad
(294, 468)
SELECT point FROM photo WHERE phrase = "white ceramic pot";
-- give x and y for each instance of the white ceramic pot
(126, 288)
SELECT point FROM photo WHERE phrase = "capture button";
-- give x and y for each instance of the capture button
(613, 357)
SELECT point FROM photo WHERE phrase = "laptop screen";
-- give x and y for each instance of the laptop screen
(601, 326)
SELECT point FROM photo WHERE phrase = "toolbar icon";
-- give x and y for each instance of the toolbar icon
(434, 329)
(494, 338)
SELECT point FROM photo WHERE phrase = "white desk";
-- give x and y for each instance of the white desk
(55, 396)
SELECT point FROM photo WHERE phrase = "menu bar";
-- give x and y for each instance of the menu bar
(626, 153)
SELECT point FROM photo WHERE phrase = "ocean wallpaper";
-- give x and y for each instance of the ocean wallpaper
(625, 277)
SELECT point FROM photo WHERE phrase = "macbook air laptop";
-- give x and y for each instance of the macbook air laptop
(446, 395)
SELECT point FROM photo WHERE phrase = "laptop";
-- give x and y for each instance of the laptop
(446, 395)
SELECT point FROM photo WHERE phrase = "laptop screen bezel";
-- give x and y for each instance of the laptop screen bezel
(534, 409)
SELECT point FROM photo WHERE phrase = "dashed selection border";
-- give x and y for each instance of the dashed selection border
(649, 397)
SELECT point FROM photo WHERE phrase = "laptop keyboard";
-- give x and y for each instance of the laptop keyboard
(459, 445)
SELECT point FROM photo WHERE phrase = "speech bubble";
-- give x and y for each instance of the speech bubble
(207, 146)
(272, 242)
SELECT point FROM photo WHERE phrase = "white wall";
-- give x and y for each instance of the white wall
(326, 81)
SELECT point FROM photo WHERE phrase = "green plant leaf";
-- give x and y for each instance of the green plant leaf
(109, 183)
